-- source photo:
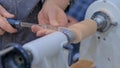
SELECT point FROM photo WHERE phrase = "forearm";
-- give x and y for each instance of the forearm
(61, 3)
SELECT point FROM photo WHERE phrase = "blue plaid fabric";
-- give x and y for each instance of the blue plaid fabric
(78, 9)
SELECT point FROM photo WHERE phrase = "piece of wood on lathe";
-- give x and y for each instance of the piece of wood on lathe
(83, 64)
(83, 29)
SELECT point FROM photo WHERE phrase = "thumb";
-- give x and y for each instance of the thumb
(54, 22)
(4, 13)
(52, 19)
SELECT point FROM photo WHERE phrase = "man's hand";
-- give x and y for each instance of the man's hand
(4, 25)
(52, 14)
(41, 31)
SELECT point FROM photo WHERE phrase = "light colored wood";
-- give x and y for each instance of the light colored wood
(83, 64)
(83, 29)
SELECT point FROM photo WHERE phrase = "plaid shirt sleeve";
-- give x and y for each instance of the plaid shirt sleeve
(78, 9)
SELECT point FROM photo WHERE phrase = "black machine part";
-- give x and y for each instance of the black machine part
(103, 21)
(16, 58)
(73, 50)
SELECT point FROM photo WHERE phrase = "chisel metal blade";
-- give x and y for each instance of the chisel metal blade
(18, 24)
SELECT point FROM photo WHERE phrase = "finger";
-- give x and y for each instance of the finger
(41, 33)
(44, 32)
(53, 19)
(6, 26)
(49, 31)
(2, 32)
(42, 19)
(36, 28)
(62, 18)
(4, 13)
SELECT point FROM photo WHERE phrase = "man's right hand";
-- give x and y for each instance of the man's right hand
(4, 25)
